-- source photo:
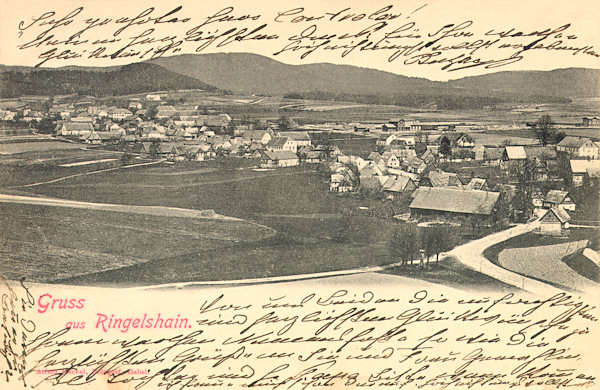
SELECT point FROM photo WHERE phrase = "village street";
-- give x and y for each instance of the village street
(471, 255)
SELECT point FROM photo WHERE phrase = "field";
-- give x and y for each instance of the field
(23, 147)
(290, 224)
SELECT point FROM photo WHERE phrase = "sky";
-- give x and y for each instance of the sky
(465, 38)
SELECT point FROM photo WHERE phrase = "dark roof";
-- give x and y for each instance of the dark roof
(556, 196)
(397, 183)
(455, 200)
(441, 178)
(295, 135)
(277, 141)
(561, 215)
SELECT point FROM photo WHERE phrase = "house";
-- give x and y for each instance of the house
(398, 184)
(279, 144)
(428, 157)
(74, 128)
(83, 117)
(261, 136)
(371, 176)
(131, 138)
(399, 123)
(312, 157)
(168, 149)
(514, 153)
(281, 158)
(108, 137)
(492, 156)
(541, 153)
(437, 178)
(92, 138)
(465, 141)
(477, 184)
(388, 127)
(219, 121)
(582, 168)
(6, 115)
(390, 160)
(301, 138)
(153, 97)
(340, 183)
(415, 165)
(578, 146)
(165, 112)
(591, 122)
(559, 199)
(385, 139)
(446, 203)
(118, 114)
(155, 134)
(134, 105)
(555, 221)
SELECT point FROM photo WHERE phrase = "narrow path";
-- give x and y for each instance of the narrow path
(275, 279)
(162, 211)
(88, 173)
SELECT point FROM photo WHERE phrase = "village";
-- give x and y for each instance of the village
(401, 189)
(434, 172)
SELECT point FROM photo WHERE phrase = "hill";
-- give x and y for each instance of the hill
(251, 73)
(128, 79)
(571, 82)
(254, 74)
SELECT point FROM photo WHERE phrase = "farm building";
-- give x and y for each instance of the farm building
(340, 183)
(591, 122)
(554, 222)
(559, 199)
(513, 155)
(284, 158)
(398, 184)
(437, 178)
(278, 144)
(301, 138)
(449, 203)
(578, 146)
(582, 168)
(74, 128)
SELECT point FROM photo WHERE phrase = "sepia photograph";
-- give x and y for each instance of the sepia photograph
(159, 152)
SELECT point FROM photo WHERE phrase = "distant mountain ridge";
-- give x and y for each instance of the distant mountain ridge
(251, 73)
(128, 79)
(254, 74)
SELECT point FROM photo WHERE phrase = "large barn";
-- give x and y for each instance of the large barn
(444, 203)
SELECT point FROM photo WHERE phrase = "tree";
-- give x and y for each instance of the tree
(405, 243)
(151, 113)
(560, 136)
(442, 238)
(428, 242)
(154, 150)
(45, 126)
(285, 123)
(420, 148)
(544, 131)
(445, 146)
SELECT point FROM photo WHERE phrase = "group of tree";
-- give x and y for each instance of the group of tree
(544, 130)
(408, 241)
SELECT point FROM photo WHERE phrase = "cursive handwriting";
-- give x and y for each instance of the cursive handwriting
(341, 338)
(398, 34)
